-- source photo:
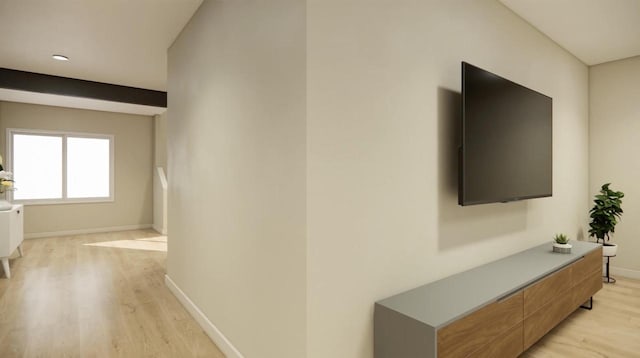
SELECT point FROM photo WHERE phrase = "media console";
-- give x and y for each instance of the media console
(496, 310)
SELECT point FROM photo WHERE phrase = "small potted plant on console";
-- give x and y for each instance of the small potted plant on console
(605, 214)
(561, 244)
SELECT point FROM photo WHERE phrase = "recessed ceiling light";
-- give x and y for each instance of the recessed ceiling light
(60, 57)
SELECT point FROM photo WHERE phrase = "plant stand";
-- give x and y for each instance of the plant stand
(607, 278)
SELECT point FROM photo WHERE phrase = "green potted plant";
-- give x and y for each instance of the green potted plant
(605, 214)
(561, 244)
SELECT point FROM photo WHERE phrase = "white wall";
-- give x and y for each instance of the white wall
(614, 146)
(133, 135)
(236, 166)
(383, 81)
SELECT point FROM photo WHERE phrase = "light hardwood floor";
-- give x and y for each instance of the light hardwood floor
(103, 295)
(68, 297)
(610, 330)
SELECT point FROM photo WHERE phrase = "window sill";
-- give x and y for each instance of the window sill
(63, 202)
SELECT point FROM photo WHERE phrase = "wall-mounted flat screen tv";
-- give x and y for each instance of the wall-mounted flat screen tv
(506, 151)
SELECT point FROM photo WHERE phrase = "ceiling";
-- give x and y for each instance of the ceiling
(124, 42)
(595, 31)
(121, 42)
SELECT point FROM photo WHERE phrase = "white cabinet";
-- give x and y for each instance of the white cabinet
(11, 234)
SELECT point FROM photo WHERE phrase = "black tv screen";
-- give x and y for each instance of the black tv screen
(506, 151)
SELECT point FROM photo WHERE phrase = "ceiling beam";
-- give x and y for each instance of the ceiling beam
(63, 86)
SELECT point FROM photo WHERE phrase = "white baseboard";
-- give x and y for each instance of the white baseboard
(159, 229)
(38, 235)
(628, 273)
(209, 328)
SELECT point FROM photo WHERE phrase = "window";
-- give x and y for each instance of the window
(88, 167)
(57, 167)
(37, 166)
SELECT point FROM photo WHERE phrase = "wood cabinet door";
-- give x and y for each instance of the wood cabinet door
(547, 317)
(476, 330)
(507, 345)
(592, 262)
(546, 290)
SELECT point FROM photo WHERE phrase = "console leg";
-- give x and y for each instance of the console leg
(20, 250)
(5, 265)
(590, 306)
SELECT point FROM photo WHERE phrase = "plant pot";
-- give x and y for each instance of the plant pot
(609, 249)
(562, 248)
(5, 205)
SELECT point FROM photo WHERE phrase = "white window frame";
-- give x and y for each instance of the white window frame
(64, 135)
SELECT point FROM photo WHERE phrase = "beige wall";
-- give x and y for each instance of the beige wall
(614, 144)
(378, 142)
(133, 162)
(236, 136)
(160, 140)
(160, 203)
(383, 81)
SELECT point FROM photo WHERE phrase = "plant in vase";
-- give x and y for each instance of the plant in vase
(561, 244)
(6, 183)
(605, 215)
